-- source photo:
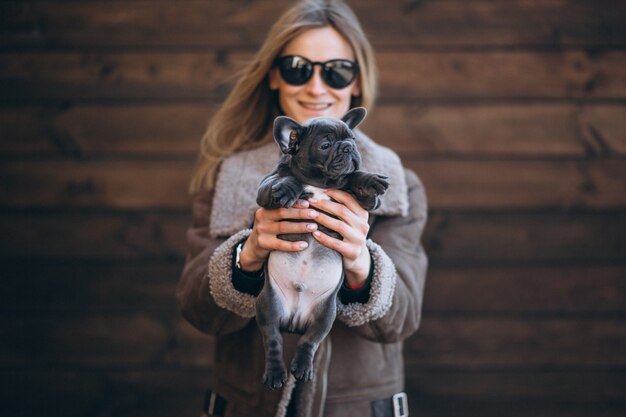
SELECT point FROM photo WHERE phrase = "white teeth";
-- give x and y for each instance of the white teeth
(315, 106)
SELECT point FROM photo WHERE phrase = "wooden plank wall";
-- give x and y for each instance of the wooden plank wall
(513, 112)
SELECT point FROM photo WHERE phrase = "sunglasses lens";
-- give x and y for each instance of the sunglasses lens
(339, 74)
(295, 70)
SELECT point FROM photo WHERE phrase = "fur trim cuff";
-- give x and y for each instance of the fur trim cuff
(220, 277)
(381, 292)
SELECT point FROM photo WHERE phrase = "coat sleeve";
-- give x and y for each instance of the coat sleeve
(393, 311)
(205, 294)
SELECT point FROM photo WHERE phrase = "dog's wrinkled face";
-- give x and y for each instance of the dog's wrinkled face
(327, 147)
(321, 149)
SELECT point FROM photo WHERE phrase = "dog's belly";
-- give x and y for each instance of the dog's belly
(302, 280)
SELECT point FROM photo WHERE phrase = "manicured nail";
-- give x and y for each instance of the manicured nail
(313, 213)
(311, 226)
(303, 245)
(317, 233)
(313, 200)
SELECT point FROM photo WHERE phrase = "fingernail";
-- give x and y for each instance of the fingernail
(317, 233)
(313, 213)
(303, 245)
(311, 226)
(313, 200)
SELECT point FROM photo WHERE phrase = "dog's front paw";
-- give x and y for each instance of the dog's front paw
(376, 185)
(275, 376)
(367, 186)
(286, 192)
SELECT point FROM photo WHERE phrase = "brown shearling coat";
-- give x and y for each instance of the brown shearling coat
(361, 360)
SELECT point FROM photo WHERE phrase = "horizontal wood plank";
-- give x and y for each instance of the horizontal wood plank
(450, 184)
(556, 291)
(506, 130)
(485, 342)
(209, 75)
(95, 341)
(522, 184)
(95, 236)
(99, 287)
(539, 238)
(167, 392)
(499, 131)
(472, 238)
(455, 343)
(449, 23)
(122, 392)
(33, 287)
(516, 393)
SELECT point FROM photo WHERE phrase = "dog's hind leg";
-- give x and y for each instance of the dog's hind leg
(322, 321)
(268, 319)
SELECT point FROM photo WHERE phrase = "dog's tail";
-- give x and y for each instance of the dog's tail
(281, 411)
(310, 396)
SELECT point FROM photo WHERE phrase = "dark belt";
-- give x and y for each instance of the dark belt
(214, 404)
(396, 406)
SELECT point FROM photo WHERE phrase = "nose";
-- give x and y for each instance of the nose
(346, 147)
(315, 86)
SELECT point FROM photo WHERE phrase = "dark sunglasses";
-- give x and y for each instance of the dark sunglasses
(336, 73)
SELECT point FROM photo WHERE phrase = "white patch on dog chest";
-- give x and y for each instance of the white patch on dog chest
(318, 193)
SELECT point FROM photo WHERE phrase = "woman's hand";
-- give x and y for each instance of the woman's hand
(353, 226)
(267, 225)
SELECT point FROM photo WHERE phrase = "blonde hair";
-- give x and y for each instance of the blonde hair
(245, 119)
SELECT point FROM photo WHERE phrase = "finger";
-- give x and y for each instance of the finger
(285, 213)
(341, 246)
(302, 204)
(339, 226)
(347, 200)
(289, 227)
(338, 210)
(273, 243)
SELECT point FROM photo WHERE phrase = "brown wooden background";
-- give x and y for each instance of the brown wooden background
(513, 112)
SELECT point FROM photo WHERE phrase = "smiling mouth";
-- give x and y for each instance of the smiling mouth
(315, 106)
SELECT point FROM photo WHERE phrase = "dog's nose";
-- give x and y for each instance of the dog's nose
(347, 147)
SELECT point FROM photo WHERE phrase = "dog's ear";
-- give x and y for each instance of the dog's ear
(287, 134)
(354, 117)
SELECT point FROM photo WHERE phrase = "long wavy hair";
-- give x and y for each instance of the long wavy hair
(245, 119)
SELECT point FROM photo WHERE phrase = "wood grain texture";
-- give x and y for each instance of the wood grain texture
(448, 23)
(551, 291)
(506, 130)
(109, 287)
(467, 343)
(86, 287)
(513, 113)
(452, 343)
(451, 184)
(423, 75)
(167, 392)
(451, 238)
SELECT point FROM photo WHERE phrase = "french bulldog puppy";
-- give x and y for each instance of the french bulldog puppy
(300, 290)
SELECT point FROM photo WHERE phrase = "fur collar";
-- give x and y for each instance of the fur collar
(234, 202)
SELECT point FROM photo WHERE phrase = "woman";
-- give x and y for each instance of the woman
(315, 61)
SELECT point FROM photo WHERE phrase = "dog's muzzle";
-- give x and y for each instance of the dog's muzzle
(344, 160)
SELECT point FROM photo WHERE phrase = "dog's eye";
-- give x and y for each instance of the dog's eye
(325, 146)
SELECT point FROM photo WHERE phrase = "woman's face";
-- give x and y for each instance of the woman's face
(315, 98)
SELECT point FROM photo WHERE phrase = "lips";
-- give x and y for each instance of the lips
(315, 106)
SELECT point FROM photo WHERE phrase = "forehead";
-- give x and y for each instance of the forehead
(320, 44)
(324, 126)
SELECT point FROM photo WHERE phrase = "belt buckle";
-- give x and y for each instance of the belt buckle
(400, 405)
